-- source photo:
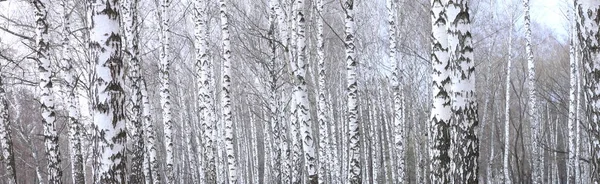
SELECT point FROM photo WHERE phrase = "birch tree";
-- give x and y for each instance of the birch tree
(464, 103)
(273, 96)
(536, 168)
(505, 155)
(75, 127)
(8, 157)
(572, 166)
(441, 110)
(42, 58)
(301, 95)
(130, 13)
(109, 117)
(205, 102)
(225, 96)
(588, 26)
(354, 171)
(149, 135)
(321, 90)
(397, 91)
(165, 95)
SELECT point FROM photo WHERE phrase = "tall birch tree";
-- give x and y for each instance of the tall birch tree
(301, 95)
(464, 103)
(8, 156)
(441, 111)
(533, 115)
(149, 134)
(109, 99)
(205, 102)
(321, 90)
(396, 91)
(42, 57)
(505, 155)
(226, 93)
(130, 13)
(572, 166)
(75, 126)
(588, 26)
(354, 153)
(165, 95)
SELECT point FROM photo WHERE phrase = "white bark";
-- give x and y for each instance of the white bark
(130, 14)
(149, 135)
(396, 80)
(109, 116)
(75, 127)
(354, 153)
(505, 155)
(572, 163)
(321, 92)
(465, 143)
(588, 26)
(7, 157)
(225, 96)
(165, 95)
(301, 95)
(532, 103)
(46, 97)
(441, 110)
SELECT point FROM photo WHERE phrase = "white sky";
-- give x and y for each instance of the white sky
(552, 14)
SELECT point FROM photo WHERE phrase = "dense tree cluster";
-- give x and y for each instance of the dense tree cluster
(297, 91)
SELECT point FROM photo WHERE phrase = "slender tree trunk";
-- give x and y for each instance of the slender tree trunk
(149, 134)
(46, 97)
(441, 110)
(588, 29)
(505, 156)
(165, 94)
(273, 97)
(464, 102)
(75, 127)
(132, 34)
(8, 158)
(225, 96)
(321, 92)
(354, 171)
(205, 101)
(397, 92)
(109, 116)
(301, 95)
(533, 110)
(572, 164)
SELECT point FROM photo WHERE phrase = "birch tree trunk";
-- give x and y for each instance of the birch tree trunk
(397, 92)
(464, 102)
(301, 95)
(321, 91)
(505, 156)
(8, 158)
(205, 101)
(149, 134)
(572, 163)
(588, 26)
(165, 95)
(109, 117)
(75, 127)
(441, 110)
(225, 96)
(46, 97)
(137, 134)
(536, 169)
(273, 97)
(354, 171)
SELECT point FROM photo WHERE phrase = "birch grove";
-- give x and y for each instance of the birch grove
(232, 91)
